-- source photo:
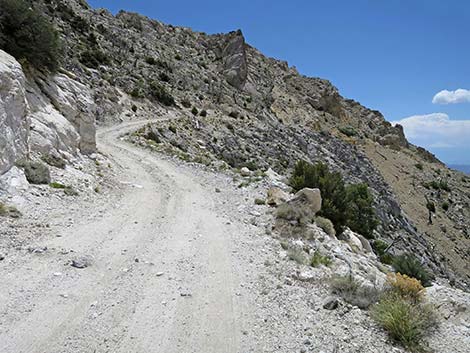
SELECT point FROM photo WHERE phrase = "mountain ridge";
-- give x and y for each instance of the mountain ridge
(260, 113)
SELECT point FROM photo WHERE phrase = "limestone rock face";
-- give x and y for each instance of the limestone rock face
(63, 116)
(42, 115)
(14, 122)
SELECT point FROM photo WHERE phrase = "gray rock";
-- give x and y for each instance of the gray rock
(234, 59)
(245, 172)
(309, 199)
(81, 262)
(36, 172)
(331, 303)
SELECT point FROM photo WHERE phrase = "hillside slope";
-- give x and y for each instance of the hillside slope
(236, 105)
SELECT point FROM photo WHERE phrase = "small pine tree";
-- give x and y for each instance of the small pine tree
(361, 215)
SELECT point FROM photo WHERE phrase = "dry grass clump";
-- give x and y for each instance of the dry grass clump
(406, 322)
(354, 293)
(402, 312)
(405, 287)
(319, 259)
(297, 255)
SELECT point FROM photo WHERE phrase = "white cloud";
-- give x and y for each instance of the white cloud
(452, 97)
(436, 130)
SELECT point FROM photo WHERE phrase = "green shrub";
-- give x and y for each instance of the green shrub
(137, 92)
(409, 265)
(437, 185)
(56, 185)
(348, 131)
(326, 225)
(203, 113)
(443, 185)
(260, 202)
(172, 129)
(379, 247)
(445, 206)
(419, 166)
(344, 206)
(160, 94)
(404, 321)
(150, 60)
(186, 103)
(319, 259)
(361, 215)
(164, 77)
(194, 111)
(27, 35)
(93, 58)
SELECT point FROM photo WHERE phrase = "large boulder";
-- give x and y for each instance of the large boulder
(310, 198)
(36, 172)
(14, 122)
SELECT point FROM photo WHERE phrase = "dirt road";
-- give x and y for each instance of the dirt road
(163, 274)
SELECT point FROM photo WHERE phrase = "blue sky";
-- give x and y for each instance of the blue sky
(393, 56)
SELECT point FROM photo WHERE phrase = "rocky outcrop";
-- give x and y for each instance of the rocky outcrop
(234, 60)
(63, 118)
(14, 121)
(42, 115)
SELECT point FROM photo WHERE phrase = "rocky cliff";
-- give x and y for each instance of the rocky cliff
(42, 115)
(234, 104)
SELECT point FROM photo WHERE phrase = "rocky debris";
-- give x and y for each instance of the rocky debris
(276, 196)
(81, 262)
(14, 122)
(331, 303)
(37, 250)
